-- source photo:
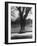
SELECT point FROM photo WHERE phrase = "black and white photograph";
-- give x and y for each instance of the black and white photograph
(21, 22)
(20, 18)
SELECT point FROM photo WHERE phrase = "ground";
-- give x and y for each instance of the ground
(16, 29)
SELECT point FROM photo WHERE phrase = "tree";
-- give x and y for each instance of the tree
(23, 19)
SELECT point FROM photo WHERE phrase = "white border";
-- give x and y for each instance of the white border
(9, 23)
